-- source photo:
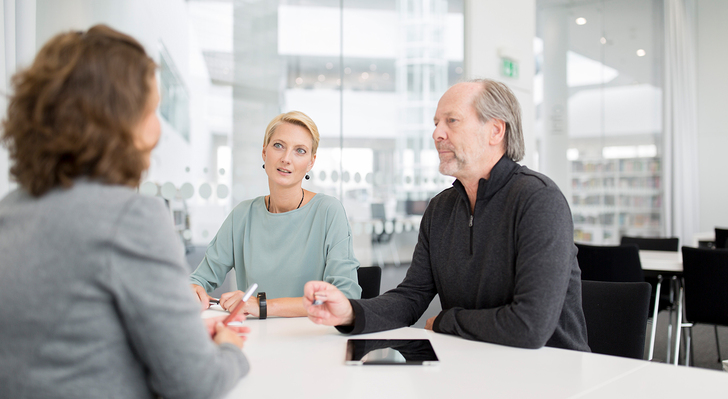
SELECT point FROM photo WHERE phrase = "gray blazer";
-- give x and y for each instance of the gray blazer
(96, 301)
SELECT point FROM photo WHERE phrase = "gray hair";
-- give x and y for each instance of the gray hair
(497, 101)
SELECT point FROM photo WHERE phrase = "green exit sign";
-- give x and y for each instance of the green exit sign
(509, 68)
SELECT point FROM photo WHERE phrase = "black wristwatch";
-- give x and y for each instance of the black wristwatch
(263, 312)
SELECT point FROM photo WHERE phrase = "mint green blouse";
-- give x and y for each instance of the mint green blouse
(282, 251)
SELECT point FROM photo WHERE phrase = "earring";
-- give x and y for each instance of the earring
(263, 166)
(307, 176)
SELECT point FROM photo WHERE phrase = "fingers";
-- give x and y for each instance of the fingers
(239, 329)
(201, 296)
(312, 288)
(318, 311)
(228, 300)
(237, 317)
(227, 335)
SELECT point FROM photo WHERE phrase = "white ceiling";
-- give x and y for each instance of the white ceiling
(627, 25)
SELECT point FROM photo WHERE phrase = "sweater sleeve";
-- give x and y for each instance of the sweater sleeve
(544, 259)
(405, 304)
(341, 265)
(219, 258)
(159, 312)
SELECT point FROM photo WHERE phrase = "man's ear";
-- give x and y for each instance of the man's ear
(497, 132)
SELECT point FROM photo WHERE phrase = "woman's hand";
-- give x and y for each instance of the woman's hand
(201, 295)
(335, 309)
(229, 300)
(230, 334)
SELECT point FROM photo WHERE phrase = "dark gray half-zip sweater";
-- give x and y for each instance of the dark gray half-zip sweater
(506, 274)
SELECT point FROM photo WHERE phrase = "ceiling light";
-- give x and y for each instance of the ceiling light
(603, 40)
(581, 21)
(641, 53)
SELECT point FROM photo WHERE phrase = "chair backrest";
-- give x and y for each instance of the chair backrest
(653, 244)
(610, 263)
(721, 238)
(378, 211)
(370, 279)
(705, 273)
(616, 317)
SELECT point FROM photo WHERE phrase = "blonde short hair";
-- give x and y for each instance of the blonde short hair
(294, 118)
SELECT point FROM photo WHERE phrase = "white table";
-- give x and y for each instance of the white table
(294, 358)
(661, 261)
(669, 265)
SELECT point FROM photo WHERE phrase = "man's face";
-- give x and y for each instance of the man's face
(460, 137)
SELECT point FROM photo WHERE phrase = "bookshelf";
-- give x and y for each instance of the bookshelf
(615, 197)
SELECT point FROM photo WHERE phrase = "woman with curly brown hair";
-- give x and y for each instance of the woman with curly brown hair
(92, 277)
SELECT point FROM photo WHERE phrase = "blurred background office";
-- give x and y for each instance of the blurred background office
(622, 102)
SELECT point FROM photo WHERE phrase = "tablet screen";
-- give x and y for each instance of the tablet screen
(390, 352)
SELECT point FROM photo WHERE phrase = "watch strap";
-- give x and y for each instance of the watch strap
(263, 306)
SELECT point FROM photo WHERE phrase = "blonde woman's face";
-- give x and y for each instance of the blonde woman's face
(288, 155)
(148, 130)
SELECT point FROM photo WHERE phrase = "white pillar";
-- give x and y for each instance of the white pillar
(18, 39)
(495, 29)
(6, 68)
(257, 93)
(552, 154)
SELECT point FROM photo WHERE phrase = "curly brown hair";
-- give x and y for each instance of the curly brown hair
(74, 110)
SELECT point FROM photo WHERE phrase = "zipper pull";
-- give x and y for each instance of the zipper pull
(471, 221)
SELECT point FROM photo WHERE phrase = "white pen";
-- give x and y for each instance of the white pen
(240, 304)
(319, 298)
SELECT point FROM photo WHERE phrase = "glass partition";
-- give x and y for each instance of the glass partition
(608, 60)
(369, 73)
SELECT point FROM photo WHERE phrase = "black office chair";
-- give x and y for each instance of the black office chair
(384, 236)
(661, 293)
(370, 279)
(704, 293)
(721, 238)
(610, 263)
(616, 317)
(653, 244)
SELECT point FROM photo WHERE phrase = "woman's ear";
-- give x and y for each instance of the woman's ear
(310, 165)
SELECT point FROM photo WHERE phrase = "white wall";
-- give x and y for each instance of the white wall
(153, 23)
(505, 27)
(4, 79)
(712, 115)
(17, 36)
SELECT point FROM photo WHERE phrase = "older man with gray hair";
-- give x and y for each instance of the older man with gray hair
(497, 247)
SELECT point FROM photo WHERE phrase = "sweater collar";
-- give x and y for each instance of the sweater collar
(499, 176)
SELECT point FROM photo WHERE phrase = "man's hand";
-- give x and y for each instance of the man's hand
(201, 295)
(430, 322)
(335, 309)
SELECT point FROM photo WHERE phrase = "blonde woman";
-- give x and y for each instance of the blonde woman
(282, 240)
